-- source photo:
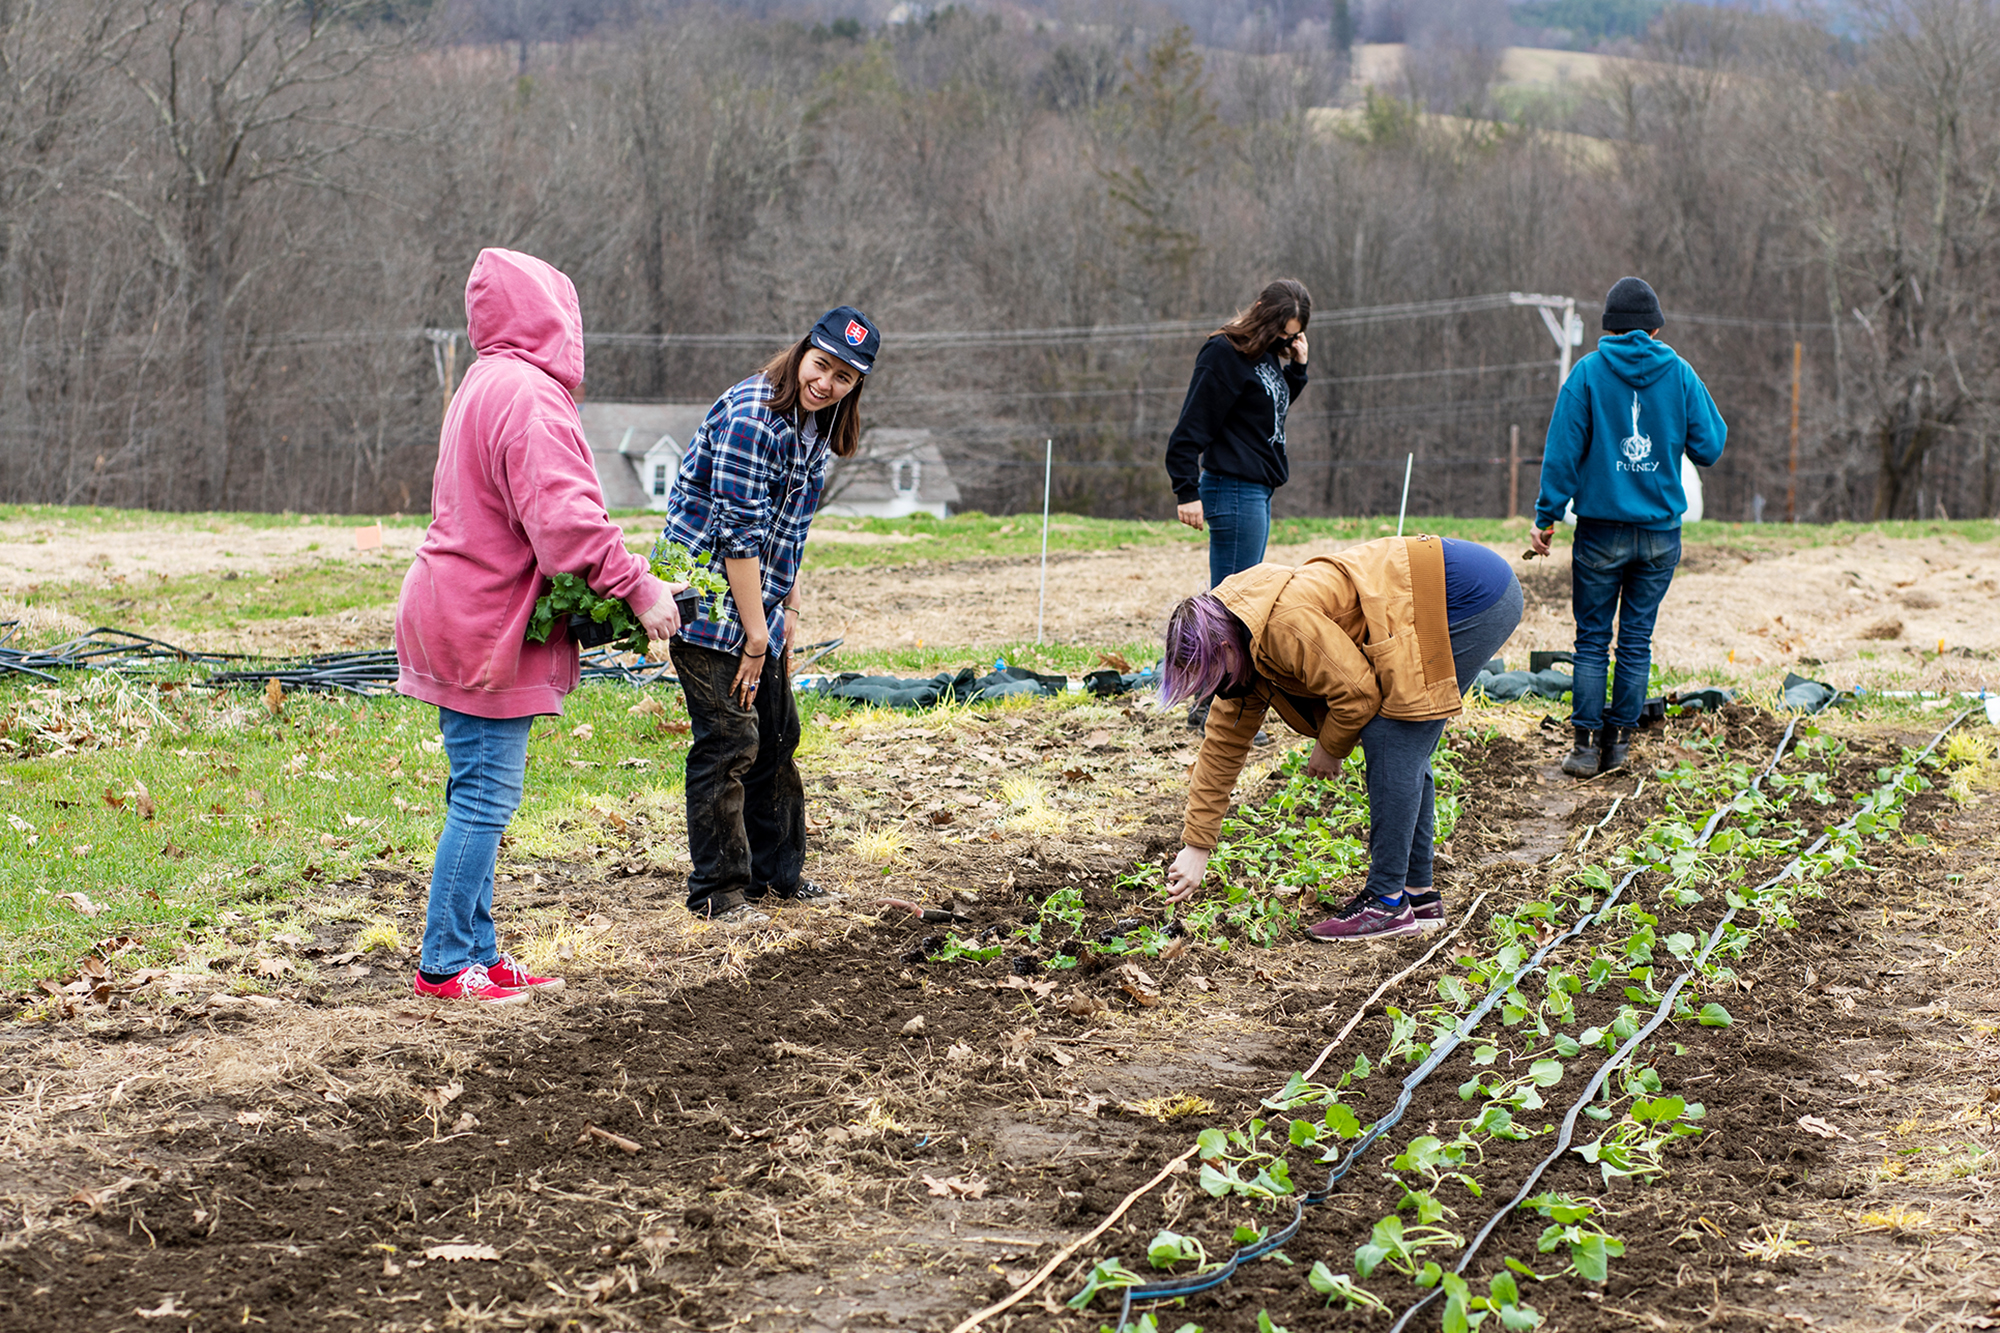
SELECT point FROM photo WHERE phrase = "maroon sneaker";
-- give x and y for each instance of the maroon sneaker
(1367, 917)
(513, 976)
(1427, 905)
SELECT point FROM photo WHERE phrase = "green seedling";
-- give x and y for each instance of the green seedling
(1401, 1248)
(1338, 1123)
(1149, 1323)
(1339, 1287)
(1521, 1091)
(1298, 1092)
(1632, 1148)
(1590, 1247)
(1170, 1248)
(1464, 1312)
(1436, 1162)
(1242, 1162)
(1105, 1275)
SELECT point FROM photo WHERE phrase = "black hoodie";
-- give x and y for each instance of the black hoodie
(1233, 420)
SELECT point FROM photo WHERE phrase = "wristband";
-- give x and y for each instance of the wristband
(754, 656)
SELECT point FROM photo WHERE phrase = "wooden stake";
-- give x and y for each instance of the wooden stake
(1513, 472)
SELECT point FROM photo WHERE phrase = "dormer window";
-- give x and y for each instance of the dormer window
(659, 478)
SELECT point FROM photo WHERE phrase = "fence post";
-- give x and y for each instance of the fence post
(1792, 476)
(1513, 472)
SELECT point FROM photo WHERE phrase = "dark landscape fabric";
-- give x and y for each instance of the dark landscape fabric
(962, 687)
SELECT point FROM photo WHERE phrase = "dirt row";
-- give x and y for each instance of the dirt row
(822, 1128)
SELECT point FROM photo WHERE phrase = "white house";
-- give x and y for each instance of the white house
(893, 474)
(637, 447)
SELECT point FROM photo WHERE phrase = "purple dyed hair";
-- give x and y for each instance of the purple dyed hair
(1207, 648)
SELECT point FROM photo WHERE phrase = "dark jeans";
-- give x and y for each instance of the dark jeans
(746, 806)
(1621, 569)
(1402, 790)
(1238, 514)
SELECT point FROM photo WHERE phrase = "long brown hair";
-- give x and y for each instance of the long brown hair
(782, 371)
(1258, 329)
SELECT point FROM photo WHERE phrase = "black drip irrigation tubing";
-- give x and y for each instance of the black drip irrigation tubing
(1193, 1284)
(101, 649)
(1624, 1052)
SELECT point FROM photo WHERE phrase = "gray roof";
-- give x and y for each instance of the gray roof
(620, 433)
(868, 477)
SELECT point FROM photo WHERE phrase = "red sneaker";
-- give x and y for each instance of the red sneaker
(471, 984)
(506, 972)
(1367, 917)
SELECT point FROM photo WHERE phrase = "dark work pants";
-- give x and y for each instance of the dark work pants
(1402, 791)
(746, 806)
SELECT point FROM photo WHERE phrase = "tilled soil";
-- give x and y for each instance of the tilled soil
(834, 1130)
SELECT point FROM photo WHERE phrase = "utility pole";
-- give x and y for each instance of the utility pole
(1792, 476)
(1567, 331)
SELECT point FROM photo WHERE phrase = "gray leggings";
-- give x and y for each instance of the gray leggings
(1401, 790)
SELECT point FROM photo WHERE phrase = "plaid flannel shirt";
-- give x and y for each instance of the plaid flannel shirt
(747, 487)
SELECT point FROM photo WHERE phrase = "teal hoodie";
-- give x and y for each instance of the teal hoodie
(1627, 413)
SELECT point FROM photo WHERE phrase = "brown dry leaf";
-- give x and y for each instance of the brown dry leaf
(583, 731)
(271, 967)
(676, 728)
(274, 696)
(439, 1098)
(1097, 739)
(650, 706)
(958, 1051)
(113, 799)
(1116, 661)
(1135, 983)
(1061, 1056)
(81, 903)
(166, 1309)
(142, 801)
(914, 1027)
(1198, 981)
(1175, 948)
(1085, 1006)
(452, 1254)
(1019, 1042)
(1812, 1124)
(956, 1187)
(173, 851)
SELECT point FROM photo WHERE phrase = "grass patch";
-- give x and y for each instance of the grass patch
(157, 810)
(198, 602)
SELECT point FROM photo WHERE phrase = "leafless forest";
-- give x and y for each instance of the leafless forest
(233, 236)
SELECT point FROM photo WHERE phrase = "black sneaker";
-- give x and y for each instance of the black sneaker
(807, 892)
(1427, 905)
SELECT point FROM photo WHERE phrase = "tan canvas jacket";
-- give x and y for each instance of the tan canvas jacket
(1335, 641)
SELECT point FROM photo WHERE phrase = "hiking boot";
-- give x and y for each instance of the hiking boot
(1427, 905)
(1617, 745)
(471, 984)
(512, 976)
(1583, 760)
(807, 892)
(1367, 917)
(742, 914)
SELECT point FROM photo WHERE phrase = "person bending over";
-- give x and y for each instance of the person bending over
(1374, 646)
(745, 494)
(1626, 415)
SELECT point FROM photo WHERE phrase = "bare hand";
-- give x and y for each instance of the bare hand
(1301, 348)
(1539, 540)
(663, 619)
(750, 670)
(1184, 875)
(1322, 764)
(1190, 514)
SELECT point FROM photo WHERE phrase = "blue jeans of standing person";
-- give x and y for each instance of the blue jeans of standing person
(1238, 515)
(489, 762)
(1402, 790)
(1616, 568)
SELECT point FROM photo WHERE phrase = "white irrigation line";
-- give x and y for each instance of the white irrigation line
(1048, 477)
(1048, 1269)
(1409, 462)
(1384, 988)
(1609, 815)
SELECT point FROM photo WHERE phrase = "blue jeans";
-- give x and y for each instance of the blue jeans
(1622, 569)
(489, 761)
(1402, 789)
(1238, 514)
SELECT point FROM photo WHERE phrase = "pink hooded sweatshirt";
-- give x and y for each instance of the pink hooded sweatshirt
(515, 499)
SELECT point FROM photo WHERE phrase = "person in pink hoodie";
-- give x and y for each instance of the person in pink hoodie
(515, 499)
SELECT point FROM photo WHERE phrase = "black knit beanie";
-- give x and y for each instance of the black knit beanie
(1630, 304)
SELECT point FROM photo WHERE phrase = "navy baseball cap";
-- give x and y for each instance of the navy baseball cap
(848, 334)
